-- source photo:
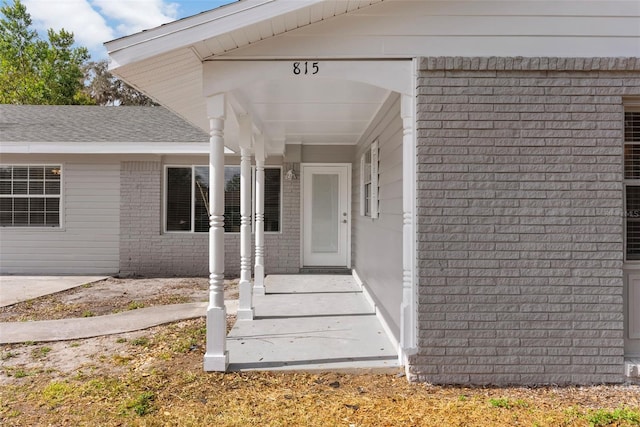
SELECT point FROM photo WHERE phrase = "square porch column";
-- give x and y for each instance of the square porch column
(408, 312)
(216, 357)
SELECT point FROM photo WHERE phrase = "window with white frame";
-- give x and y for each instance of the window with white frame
(30, 195)
(187, 199)
(272, 199)
(632, 182)
(369, 182)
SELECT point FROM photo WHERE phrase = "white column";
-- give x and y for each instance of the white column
(245, 309)
(258, 276)
(408, 311)
(216, 357)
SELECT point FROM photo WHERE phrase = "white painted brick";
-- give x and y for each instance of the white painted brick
(545, 143)
(144, 250)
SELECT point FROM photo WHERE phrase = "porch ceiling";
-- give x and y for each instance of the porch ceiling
(166, 63)
(313, 112)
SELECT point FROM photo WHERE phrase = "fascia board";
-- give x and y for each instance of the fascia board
(185, 32)
(102, 148)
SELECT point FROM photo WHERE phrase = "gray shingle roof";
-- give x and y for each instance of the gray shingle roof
(74, 123)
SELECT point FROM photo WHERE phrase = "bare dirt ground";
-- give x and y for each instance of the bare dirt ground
(108, 296)
(154, 377)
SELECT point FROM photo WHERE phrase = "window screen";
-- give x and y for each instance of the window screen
(232, 199)
(30, 195)
(202, 213)
(367, 183)
(633, 222)
(187, 207)
(632, 126)
(272, 186)
(179, 184)
(632, 188)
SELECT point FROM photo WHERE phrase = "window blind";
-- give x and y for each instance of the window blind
(632, 190)
(30, 195)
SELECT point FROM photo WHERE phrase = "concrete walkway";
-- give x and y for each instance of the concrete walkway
(88, 327)
(14, 289)
(311, 322)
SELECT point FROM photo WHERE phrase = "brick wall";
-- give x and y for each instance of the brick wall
(146, 251)
(520, 219)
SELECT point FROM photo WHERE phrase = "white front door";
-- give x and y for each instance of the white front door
(326, 219)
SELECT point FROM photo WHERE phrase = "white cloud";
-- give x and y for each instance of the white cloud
(94, 22)
(136, 15)
(88, 26)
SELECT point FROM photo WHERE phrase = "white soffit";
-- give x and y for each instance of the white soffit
(326, 111)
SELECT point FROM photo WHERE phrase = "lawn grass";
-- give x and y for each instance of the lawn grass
(190, 398)
(159, 382)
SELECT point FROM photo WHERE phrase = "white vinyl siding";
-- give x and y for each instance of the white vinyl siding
(377, 243)
(530, 28)
(87, 242)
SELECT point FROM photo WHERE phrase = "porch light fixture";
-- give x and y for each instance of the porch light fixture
(291, 174)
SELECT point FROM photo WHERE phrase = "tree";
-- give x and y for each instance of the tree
(105, 89)
(34, 71)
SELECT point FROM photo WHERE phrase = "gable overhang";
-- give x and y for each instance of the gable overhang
(169, 63)
(254, 18)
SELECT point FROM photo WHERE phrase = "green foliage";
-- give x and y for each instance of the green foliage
(620, 416)
(134, 305)
(143, 403)
(20, 373)
(39, 353)
(508, 404)
(36, 71)
(142, 341)
(56, 392)
(7, 355)
(105, 89)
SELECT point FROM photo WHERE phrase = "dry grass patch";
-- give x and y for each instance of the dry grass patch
(156, 379)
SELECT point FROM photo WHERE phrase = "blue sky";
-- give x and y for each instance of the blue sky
(95, 21)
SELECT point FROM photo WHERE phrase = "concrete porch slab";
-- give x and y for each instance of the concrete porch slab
(311, 305)
(309, 283)
(311, 323)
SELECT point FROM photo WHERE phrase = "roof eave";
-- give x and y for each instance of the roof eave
(158, 148)
(185, 32)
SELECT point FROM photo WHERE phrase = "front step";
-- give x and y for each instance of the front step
(325, 270)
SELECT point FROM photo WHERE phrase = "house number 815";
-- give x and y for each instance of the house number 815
(305, 68)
